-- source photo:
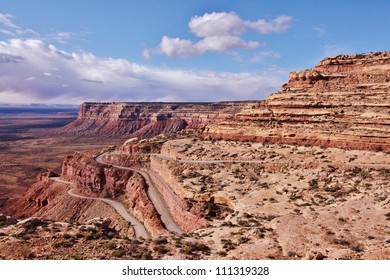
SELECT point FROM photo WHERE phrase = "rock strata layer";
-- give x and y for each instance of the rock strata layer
(148, 119)
(342, 102)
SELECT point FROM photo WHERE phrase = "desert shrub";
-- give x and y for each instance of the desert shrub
(160, 249)
(135, 242)
(92, 236)
(146, 256)
(244, 239)
(76, 257)
(110, 234)
(118, 253)
(341, 242)
(343, 220)
(357, 248)
(273, 200)
(313, 184)
(111, 245)
(195, 247)
(227, 224)
(228, 244)
(222, 253)
(354, 171)
(79, 235)
(161, 240)
(67, 236)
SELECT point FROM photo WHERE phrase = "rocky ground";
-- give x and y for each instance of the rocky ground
(257, 201)
(299, 202)
(37, 238)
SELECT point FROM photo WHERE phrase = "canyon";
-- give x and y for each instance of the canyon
(303, 174)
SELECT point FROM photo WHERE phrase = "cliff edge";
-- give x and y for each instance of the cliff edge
(342, 102)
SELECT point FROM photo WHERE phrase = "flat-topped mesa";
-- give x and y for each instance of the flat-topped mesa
(343, 102)
(148, 119)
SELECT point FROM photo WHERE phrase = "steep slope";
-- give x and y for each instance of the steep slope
(342, 102)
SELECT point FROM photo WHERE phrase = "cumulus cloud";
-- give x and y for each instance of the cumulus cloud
(34, 71)
(218, 32)
(217, 24)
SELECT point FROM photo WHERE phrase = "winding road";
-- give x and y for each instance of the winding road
(153, 194)
(139, 228)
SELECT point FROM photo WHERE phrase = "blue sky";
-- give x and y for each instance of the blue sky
(178, 50)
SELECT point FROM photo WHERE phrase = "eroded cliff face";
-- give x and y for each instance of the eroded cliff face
(93, 178)
(186, 210)
(342, 102)
(141, 206)
(145, 120)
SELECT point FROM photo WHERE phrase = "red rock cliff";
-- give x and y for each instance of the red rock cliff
(149, 119)
(342, 102)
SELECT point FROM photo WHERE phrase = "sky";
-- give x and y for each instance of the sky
(69, 52)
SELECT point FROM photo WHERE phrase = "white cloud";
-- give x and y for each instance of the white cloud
(78, 77)
(183, 48)
(217, 24)
(7, 32)
(13, 29)
(6, 19)
(320, 30)
(175, 46)
(218, 32)
(222, 43)
(277, 25)
(60, 37)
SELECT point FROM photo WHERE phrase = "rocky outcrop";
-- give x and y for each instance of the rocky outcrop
(145, 120)
(342, 102)
(93, 178)
(142, 208)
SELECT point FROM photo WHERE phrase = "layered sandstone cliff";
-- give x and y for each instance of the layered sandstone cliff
(342, 102)
(145, 120)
